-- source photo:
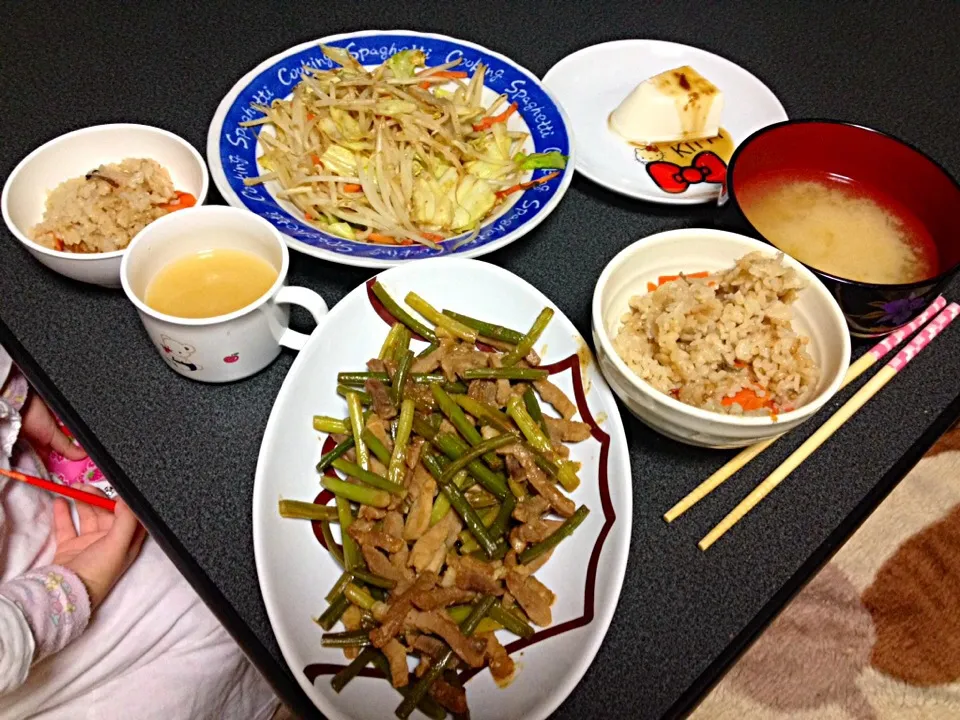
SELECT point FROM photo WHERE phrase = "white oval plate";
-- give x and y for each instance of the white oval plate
(593, 81)
(232, 150)
(295, 571)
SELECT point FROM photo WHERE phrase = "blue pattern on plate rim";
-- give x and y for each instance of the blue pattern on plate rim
(238, 144)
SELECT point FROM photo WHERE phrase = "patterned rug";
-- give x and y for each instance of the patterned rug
(876, 634)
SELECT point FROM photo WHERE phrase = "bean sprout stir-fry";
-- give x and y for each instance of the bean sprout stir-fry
(398, 154)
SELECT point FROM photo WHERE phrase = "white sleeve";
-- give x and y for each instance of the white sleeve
(6, 366)
(9, 413)
(9, 431)
(16, 638)
(16, 646)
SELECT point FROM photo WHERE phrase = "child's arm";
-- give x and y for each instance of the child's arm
(41, 612)
(44, 609)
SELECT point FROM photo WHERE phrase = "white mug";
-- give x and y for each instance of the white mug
(226, 347)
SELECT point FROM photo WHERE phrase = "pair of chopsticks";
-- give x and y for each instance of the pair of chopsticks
(64, 490)
(944, 316)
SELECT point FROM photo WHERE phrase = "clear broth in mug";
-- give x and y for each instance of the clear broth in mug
(840, 227)
(210, 283)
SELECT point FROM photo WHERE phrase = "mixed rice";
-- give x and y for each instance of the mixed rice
(723, 342)
(103, 210)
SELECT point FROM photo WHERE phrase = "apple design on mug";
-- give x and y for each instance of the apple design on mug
(232, 358)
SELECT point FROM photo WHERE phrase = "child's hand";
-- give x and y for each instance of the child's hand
(104, 548)
(41, 430)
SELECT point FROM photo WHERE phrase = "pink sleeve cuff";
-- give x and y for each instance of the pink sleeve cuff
(55, 604)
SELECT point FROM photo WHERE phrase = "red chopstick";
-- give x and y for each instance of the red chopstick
(66, 491)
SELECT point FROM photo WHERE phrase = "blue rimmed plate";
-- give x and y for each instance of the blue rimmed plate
(232, 150)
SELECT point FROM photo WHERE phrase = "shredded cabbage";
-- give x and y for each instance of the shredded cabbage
(403, 63)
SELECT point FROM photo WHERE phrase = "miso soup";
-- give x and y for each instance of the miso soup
(840, 227)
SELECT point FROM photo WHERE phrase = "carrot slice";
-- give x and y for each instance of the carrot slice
(381, 239)
(489, 122)
(182, 201)
(445, 74)
(448, 74)
(748, 399)
(501, 194)
(310, 116)
(58, 243)
(314, 158)
(352, 188)
(651, 286)
(670, 278)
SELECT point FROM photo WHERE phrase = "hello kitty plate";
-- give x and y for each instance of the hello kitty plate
(592, 82)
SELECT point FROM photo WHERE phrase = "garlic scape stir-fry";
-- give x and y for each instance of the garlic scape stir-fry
(450, 484)
(398, 154)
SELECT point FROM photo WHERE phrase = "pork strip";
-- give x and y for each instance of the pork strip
(423, 488)
(433, 541)
(542, 484)
(566, 430)
(376, 539)
(556, 397)
(501, 664)
(439, 623)
(392, 621)
(476, 575)
(484, 391)
(382, 402)
(427, 363)
(532, 506)
(397, 657)
(440, 597)
(429, 646)
(452, 698)
(393, 524)
(533, 596)
(378, 564)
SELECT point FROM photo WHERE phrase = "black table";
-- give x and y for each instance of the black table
(183, 454)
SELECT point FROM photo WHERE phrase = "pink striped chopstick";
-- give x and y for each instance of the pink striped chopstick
(898, 336)
(825, 431)
(736, 463)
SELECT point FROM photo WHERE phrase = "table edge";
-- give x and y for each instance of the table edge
(715, 671)
(285, 686)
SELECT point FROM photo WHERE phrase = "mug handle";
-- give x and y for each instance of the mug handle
(307, 299)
